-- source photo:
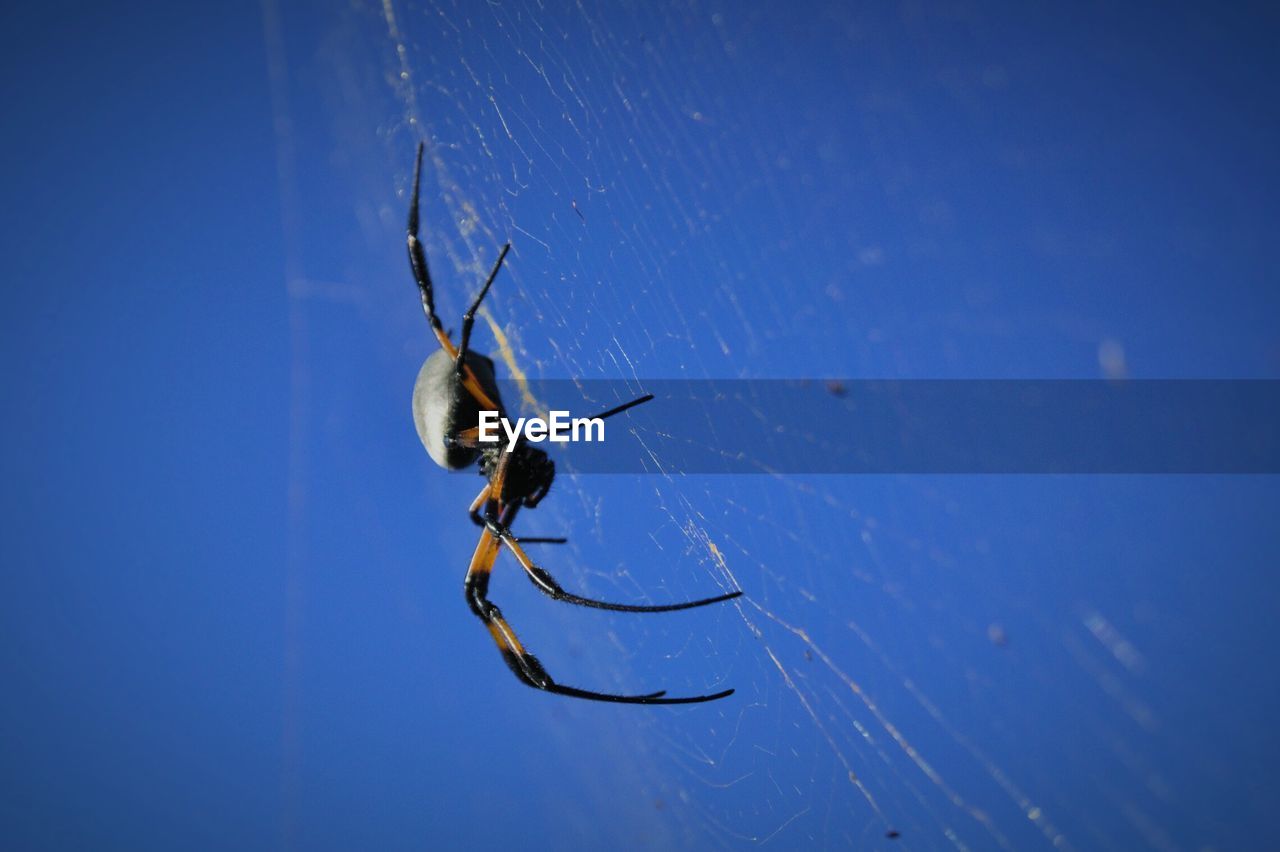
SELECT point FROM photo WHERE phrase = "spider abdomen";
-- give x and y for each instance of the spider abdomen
(442, 407)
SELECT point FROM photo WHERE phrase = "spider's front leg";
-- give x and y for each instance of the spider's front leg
(422, 275)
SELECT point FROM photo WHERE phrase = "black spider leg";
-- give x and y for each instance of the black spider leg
(469, 318)
(478, 519)
(621, 408)
(526, 667)
(422, 275)
(418, 261)
(548, 585)
(535, 498)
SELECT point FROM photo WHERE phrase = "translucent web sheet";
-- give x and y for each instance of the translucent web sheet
(709, 191)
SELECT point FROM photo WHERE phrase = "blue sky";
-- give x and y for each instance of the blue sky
(232, 609)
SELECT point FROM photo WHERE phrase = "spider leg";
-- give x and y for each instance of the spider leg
(535, 498)
(422, 275)
(526, 667)
(469, 437)
(466, 438)
(469, 318)
(621, 408)
(481, 499)
(478, 519)
(547, 584)
(418, 263)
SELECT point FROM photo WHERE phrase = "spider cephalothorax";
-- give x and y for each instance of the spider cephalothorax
(453, 387)
(530, 472)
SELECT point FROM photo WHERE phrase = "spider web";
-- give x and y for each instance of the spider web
(706, 192)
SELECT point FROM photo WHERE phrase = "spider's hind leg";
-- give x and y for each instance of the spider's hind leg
(526, 667)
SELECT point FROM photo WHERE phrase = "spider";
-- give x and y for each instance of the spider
(453, 386)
